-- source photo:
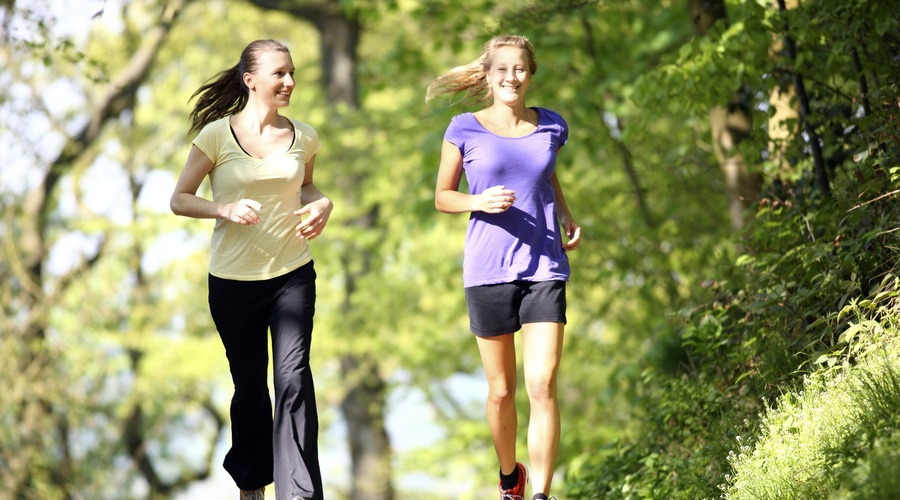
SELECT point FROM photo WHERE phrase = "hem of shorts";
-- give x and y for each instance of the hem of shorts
(493, 333)
(546, 319)
(497, 333)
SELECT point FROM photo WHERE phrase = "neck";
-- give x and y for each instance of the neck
(255, 116)
(509, 115)
(512, 114)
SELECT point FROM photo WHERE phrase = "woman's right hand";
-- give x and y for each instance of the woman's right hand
(496, 199)
(242, 212)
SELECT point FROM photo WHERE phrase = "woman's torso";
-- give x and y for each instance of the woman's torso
(269, 248)
(524, 242)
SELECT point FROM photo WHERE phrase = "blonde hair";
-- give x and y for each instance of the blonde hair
(472, 78)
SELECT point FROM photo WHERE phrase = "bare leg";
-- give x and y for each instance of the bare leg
(498, 355)
(542, 346)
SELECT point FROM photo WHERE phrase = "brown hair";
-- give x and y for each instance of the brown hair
(472, 79)
(226, 93)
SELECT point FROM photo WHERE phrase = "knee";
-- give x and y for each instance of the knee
(541, 388)
(249, 380)
(292, 378)
(500, 396)
(249, 394)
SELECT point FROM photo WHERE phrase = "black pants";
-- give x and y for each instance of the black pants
(262, 449)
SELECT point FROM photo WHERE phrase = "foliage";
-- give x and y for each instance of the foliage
(818, 439)
(727, 365)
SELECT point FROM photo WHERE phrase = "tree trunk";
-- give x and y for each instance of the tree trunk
(339, 35)
(783, 123)
(729, 125)
(363, 408)
(821, 175)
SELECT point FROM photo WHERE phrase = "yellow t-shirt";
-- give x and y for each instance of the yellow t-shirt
(269, 248)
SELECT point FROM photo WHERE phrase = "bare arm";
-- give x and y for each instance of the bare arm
(571, 228)
(184, 200)
(447, 197)
(316, 204)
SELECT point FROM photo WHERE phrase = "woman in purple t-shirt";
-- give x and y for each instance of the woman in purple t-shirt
(515, 267)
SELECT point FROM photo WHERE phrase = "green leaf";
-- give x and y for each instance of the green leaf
(744, 260)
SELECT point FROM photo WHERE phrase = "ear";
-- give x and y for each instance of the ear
(248, 81)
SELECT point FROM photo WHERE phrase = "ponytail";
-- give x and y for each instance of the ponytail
(224, 96)
(470, 79)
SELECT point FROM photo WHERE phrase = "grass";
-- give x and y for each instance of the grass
(836, 438)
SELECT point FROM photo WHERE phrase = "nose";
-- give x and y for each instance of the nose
(289, 81)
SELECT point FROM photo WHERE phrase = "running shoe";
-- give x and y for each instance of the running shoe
(518, 491)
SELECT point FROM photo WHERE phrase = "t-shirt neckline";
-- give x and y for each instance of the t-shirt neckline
(288, 150)
(485, 129)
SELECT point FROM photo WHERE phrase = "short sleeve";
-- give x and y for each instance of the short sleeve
(561, 125)
(308, 137)
(563, 132)
(209, 141)
(454, 133)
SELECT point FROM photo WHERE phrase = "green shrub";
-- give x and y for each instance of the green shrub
(815, 439)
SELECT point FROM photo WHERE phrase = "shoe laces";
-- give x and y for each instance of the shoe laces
(509, 496)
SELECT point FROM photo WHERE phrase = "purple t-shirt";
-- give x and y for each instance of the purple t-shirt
(525, 242)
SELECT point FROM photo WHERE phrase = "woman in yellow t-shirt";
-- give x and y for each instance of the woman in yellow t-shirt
(261, 275)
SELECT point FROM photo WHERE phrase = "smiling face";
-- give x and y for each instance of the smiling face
(509, 75)
(273, 81)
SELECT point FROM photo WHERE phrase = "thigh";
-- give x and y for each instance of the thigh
(291, 318)
(239, 311)
(498, 357)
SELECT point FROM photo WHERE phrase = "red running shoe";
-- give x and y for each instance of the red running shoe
(518, 491)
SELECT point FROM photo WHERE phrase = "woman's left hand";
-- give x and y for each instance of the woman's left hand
(318, 212)
(573, 231)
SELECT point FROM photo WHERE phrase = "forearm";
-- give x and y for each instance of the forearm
(562, 209)
(190, 205)
(454, 202)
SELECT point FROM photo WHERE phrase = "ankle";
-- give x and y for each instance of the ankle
(509, 481)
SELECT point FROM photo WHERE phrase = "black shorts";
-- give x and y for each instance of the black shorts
(505, 307)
